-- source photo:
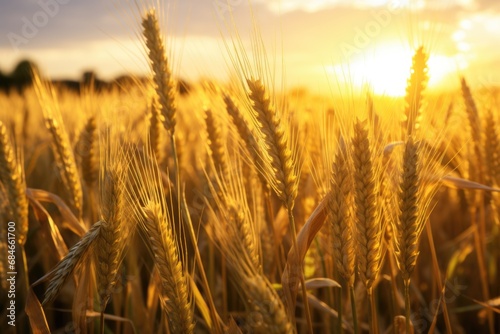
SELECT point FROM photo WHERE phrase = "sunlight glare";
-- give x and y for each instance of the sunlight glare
(386, 72)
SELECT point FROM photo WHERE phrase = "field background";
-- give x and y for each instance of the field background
(255, 201)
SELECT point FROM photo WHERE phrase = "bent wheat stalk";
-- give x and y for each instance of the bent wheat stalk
(68, 264)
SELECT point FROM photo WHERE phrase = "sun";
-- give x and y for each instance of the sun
(386, 68)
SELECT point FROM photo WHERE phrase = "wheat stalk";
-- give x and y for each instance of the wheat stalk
(246, 235)
(66, 161)
(264, 300)
(68, 264)
(368, 223)
(60, 143)
(281, 169)
(414, 90)
(156, 221)
(339, 216)
(162, 77)
(109, 245)
(216, 143)
(267, 313)
(409, 225)
(247, 137)
(89, 152)
(472, 112)
(155, 130)
(476, 163)
(174, 287)
(12, 177)
(115, 227)
(492, 149)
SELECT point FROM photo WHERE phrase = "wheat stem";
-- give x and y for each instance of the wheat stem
(352, 297)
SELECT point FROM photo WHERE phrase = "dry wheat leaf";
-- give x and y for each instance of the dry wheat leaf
(48, 226)
(201, 304)
(35, 314)
(73, 223)
(459, 183)
(323, 282)
(290, 277)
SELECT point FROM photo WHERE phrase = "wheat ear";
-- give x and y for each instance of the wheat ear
(368, 224)
(66, 162)
(267, 312)
(67, 265)
(216, 143)
(409, 227)
(477, 173)
(413, 212)
(109, 244)
(155, 130)
(174, 286)
(162, 76)
(339, 215)
(477, 170)
(245, 233)
(282, 170)
(492, 149)
(12, 177)
(60, 143)
(247, 136)
(369, 227)
(265, 301)
(155, 219)
(230, 197)
(414, 90)
(472, 112)
(89, 152)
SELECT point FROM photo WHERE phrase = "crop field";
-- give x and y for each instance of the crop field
(154, 205)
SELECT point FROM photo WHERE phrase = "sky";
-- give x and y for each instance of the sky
(319, 43)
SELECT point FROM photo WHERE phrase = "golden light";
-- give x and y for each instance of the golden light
(386, 69)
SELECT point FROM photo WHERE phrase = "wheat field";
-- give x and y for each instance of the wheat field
(237, 208)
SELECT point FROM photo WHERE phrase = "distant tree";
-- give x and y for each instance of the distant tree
(22, 76)
(89, 78)
(23, 72)
(4, 81)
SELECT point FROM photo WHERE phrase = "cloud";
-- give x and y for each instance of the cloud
(94, 33)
